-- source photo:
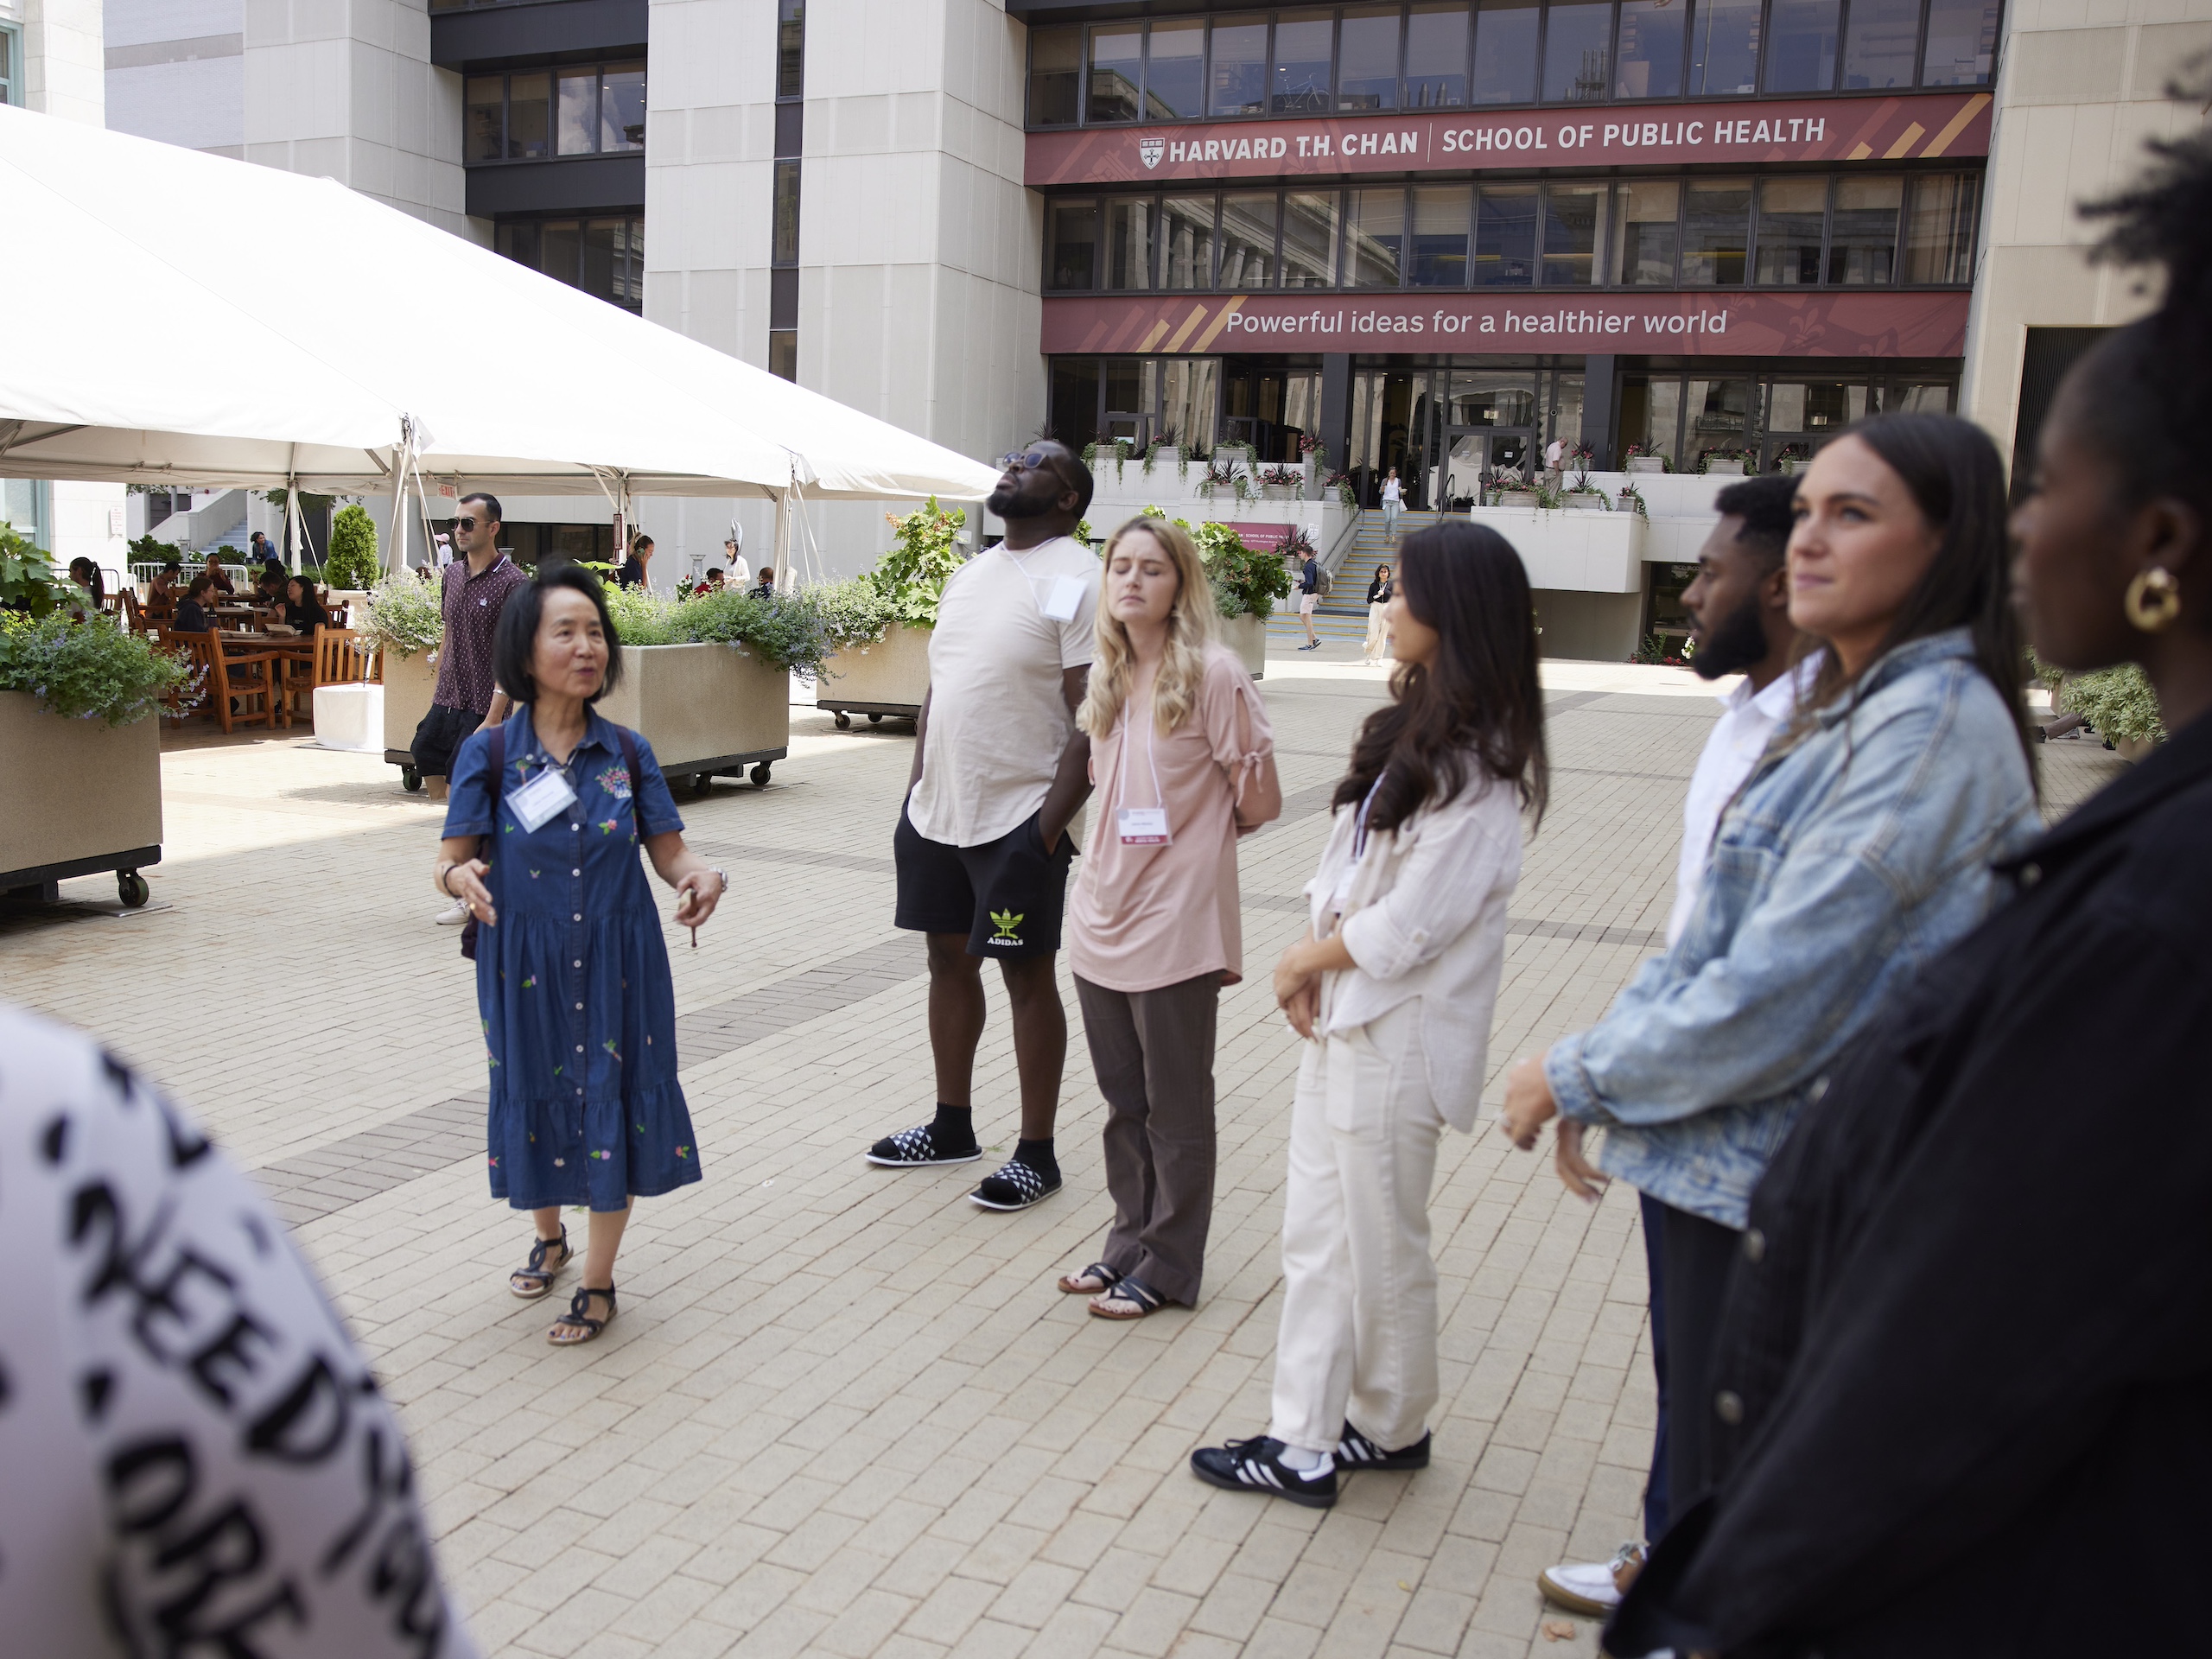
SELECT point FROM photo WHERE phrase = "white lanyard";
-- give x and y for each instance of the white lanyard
(1359, 823)
(1142, 826)
(1065, 599)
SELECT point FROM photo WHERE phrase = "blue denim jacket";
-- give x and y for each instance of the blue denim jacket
(1853, 855)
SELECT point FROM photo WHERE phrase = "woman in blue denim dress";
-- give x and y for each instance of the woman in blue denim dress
(572, 973)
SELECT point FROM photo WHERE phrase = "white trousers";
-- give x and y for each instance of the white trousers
(1378, 634)
(1358, 1336)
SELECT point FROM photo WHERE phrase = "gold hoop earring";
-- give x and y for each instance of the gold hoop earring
(2153, 600)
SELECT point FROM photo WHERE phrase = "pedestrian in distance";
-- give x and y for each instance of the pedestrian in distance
(1183, 757)
(1393, 499)
(981, 846)
(473, 591)
(549, 811)
(1740, 614)
(1309, 596)
(1968, 1377)
(1378, 606)
(1392, 989)
(1860, 849)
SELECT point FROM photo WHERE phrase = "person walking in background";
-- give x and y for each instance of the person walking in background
(1969, 1377)
(572, 974)
(1000, 771)
(472, 592)
(1739, 615)
(1309, 596)
(633, 574)
(1392, 989)
(1393, 498)
(195, 1448)
(1183, 757)
(1859, 849)
(1378, 604)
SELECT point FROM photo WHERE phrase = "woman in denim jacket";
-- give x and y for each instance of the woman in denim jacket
(1860, 849)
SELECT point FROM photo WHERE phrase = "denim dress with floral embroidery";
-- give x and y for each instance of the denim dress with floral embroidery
(573, 983)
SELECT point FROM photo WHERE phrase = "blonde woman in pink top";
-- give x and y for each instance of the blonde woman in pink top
(1183, 760)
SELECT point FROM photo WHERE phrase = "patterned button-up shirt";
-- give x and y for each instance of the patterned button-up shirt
(472, 605)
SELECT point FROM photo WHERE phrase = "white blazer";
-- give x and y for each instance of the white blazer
(1423, 915)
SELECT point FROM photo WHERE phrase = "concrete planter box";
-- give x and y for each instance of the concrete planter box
(97, 806)
(408, 684)
(706, 709)
(1718, 468)
(890, 677)
(1578, 502)
(1247, 636)
(1642, 465)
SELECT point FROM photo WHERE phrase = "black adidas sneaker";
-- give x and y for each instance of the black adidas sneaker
(1354, 1450)
(1257, 1465)
(911, 1149)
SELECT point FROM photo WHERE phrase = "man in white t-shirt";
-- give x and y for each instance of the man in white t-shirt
(1739, 613)
(982, 847)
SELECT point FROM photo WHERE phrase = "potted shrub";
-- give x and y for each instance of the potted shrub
(1226, 471)
(400, 617)
(1630, 500)
(1722, 462)
(1279, 483)
(1513, 491)
(1246, 585)
(880, 623)
(1166, 449)
(351, 569)
(1643, 458)
(706, 680)
(2120, 704)
(77, 701)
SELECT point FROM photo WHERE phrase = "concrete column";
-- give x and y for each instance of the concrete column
(1598, 402)
(1336, 408)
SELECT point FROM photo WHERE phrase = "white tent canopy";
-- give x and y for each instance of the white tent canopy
(359, 321)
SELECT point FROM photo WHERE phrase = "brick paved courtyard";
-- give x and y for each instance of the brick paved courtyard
(843, 1411)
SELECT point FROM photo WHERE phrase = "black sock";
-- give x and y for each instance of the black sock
(1037, 1154)
(953, 1126)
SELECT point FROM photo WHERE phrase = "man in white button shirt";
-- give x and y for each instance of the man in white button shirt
(1739, 612)
(982, 847)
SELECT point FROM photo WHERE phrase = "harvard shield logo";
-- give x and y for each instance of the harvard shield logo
(1152, 149)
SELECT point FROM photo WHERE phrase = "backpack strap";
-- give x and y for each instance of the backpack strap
(629, 740)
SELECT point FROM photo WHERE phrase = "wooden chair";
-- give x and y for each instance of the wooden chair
(338, 659)
(198, 650)
(245, 682)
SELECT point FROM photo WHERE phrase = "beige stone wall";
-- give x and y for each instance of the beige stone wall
(2081, 85)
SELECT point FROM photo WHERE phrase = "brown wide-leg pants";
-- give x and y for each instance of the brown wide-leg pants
(1154, 1054)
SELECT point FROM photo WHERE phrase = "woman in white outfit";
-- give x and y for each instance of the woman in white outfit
(1378, 606)
(1392, 989)
(1392, 498)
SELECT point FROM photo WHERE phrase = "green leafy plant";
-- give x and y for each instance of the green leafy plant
(924, 552)
(644, 618)
(2119, 701)
(352, 560)
(1657, 652)
(1245, 582)
(1647, 452)
(1707, 457)
(1632, 499)
(29, 582)
(149, 551)
(87, 669)
(789, 630)
(401, 616)
(855, 610)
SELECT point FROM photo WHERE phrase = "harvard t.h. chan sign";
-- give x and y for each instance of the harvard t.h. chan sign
(1919, 126)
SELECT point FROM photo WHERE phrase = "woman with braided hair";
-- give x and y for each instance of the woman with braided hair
(1961, 1395)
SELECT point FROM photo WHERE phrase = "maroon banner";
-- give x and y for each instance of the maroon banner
(1916, 127)
(1815, 324)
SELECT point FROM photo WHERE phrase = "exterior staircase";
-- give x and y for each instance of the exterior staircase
(1342, 614)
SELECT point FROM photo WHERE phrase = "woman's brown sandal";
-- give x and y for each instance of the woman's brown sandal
(1100, 1279)
(534, 1278)
(1139, 1298)
(576, 1324)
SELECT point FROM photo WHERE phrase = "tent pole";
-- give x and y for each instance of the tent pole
(291, 510)
(395, 542)
(783, 534)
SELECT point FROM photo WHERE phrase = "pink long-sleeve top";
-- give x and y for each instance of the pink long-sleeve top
(1146, 916)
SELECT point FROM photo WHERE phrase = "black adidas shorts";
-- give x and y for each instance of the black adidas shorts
(1007, 895)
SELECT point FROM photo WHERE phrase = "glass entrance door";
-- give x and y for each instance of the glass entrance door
(1476, 455)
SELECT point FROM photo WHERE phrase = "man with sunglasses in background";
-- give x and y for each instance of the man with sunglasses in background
(982, 847)
(473, 590)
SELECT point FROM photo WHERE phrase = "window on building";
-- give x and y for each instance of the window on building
(1651, 414)
(1367, 51)
(783, 353)
(1055, 76)
(1309, 239)
(1577, 52)
(1071, 246)
(1505, 235)
(1962, 49)
(1883, 40)
(1438, 256)
(1939, 236)
(1653, 38)
(1801, 44)
(1237, 74)
(530, 116)
(1175, 72)
(1863, 232)
(604, 257)
(1793, 211)
(1189, 398)
(1574, 230)
(1648, 213)
(1248, 240)
(1814, 406)
(589, 109)
(1505, 52)
(483, 118)
(1186, 242)
(622, 107)
(11, 77)
(791, 48)
(1436, 55)
(1375, 235)
(1075, 410)
(1117, 72)
(783, 219)
(1725, 48)
(1302, 78)
(1717, 414)
(1716, 219)
(1128, 243)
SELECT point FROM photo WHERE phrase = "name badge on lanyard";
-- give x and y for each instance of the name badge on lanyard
(1060, 601)
(544, 794)
(1142, 826)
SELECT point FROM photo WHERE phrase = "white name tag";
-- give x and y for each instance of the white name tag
(1143, 826)
(540, 797)
(1065, 596)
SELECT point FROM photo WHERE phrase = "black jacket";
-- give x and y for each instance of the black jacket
(1378, 592)
(1967, 1345)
